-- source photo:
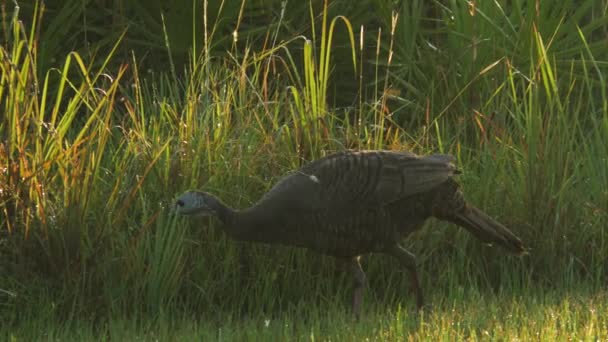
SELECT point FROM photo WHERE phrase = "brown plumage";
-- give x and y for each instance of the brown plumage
(353, 203)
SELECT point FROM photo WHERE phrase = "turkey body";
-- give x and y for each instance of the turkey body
(356, 202)
(342, 232)
(352, 203)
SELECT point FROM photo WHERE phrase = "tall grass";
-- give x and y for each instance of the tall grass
(91, 158)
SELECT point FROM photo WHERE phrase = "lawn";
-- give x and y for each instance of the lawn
(468, 314)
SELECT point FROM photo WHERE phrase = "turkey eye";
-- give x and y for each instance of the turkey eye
(180, 203)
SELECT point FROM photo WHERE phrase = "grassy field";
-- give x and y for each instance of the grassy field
(93, 152)
(533, 314)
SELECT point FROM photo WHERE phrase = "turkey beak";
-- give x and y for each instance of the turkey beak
(178, 204)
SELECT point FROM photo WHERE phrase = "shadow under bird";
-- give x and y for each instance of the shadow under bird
(353, 203)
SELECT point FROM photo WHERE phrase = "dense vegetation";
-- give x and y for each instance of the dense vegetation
(96, 140)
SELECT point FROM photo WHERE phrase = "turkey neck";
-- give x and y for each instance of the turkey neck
(243, 224)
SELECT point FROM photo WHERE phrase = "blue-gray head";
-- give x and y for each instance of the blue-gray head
(198, 203)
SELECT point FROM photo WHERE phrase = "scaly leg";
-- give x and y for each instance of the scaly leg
(408, 260)
(360, 280)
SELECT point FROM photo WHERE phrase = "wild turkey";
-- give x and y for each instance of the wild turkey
(353, 203)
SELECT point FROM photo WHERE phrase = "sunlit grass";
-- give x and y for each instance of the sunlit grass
(470, 315)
